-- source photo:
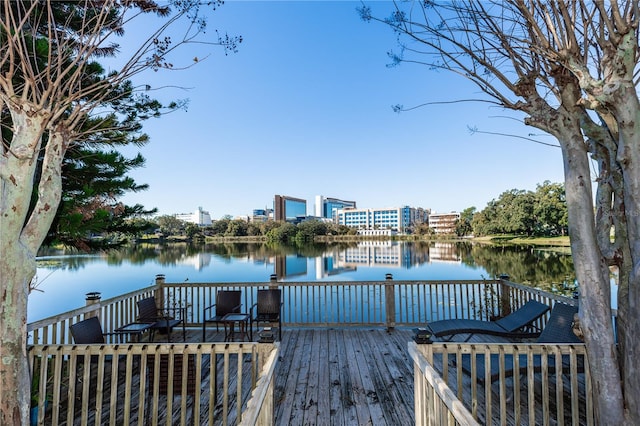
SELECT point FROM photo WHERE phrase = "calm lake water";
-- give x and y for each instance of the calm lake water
(64, 279)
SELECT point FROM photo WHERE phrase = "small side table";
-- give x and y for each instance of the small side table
(136, 329)
(243, 324)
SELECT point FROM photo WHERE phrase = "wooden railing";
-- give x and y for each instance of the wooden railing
(387, 303)
(435, 402)
(514, 383)
(113, 313)
(69, 370)
(369, 303)
(205, 383)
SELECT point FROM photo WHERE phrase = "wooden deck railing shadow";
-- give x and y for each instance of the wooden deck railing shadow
(151, 384)
(508, 383)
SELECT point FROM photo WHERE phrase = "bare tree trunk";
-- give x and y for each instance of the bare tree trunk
(17, 256)
(629, 159)
(593, 276)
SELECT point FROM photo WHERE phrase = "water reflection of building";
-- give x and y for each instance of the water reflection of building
(291, 266)
(198, 261)
(444, 252)
(376, 253)
(328, 265)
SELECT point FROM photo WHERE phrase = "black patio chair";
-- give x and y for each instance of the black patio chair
(89, 331)
(161, 319)
(519, 323)
(227, 302)
(268, 309)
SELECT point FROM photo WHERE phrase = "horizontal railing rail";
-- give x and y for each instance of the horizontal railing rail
(517, 383)
(206, 383)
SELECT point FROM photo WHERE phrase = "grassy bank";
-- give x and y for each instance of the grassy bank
(530, 241)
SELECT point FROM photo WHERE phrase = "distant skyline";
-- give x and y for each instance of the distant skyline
(304, 108)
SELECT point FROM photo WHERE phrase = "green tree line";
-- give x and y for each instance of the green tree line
(540, 213)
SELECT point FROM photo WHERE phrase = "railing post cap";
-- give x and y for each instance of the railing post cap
(93, 295)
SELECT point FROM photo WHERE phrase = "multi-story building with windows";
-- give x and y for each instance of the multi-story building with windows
(443, 223)
(200, 217)
(396, 219)
(289, 209)
(261, 215)
(328, 207)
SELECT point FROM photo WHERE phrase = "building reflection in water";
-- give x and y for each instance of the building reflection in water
(199, 261)
(388, 254)
(383, 254)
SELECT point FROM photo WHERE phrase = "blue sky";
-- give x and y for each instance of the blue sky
(304, 108)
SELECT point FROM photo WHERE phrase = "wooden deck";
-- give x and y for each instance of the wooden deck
(344, 376)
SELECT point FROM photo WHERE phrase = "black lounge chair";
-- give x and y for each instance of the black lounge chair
(516, 324)
(227, 302)
(559, 329)
(268, 309)
(160, 319)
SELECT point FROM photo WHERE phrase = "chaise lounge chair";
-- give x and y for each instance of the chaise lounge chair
(557, 330)
(516, 324)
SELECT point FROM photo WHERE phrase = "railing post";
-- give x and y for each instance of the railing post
(390, 301)
(505, 295)
(91, 299)
(159, 291)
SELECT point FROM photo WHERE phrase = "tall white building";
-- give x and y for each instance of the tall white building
(200, 217)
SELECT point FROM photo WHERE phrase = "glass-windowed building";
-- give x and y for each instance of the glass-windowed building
(328, 207)
(396, 219)
(289, 209)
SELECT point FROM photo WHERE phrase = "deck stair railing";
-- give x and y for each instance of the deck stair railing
(509, 383)
(203, 383)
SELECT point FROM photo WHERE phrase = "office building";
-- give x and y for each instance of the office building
(328, 207)
(289, 209)
(261, 215)
(444, 223)
(395, 219)
(200, 217)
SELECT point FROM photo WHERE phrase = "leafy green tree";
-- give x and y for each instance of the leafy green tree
(192, 230)
(269, 225)
(171, 225)
(237, 228)
(550, 210)
(285, 233)
(463, 225)
(219, 227)
(307, 230)
(254, 229)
